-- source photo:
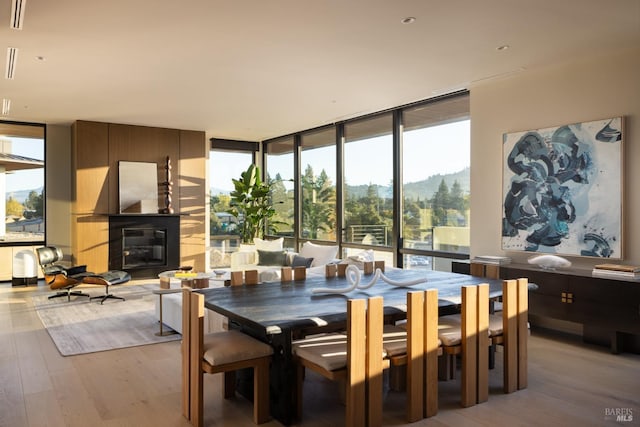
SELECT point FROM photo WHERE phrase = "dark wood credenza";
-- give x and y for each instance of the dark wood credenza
(608, 309)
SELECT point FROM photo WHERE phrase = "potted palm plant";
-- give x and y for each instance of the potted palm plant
(251, 204)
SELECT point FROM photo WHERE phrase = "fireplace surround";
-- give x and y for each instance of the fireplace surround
(144, 244)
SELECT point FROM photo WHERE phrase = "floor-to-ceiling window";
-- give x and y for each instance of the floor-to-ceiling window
(224, 236)
(368, 184)
(435, 180)
(318, 184)
(22, 162)
(279, 168)
(395, 182)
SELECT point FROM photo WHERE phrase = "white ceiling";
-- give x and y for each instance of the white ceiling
(255, 69)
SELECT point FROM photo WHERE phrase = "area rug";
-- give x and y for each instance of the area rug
(81, 326)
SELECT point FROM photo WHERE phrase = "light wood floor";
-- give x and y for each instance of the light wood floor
(570, 384)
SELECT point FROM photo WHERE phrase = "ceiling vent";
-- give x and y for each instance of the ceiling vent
(12, 57)
(6, 106)
(17, 14)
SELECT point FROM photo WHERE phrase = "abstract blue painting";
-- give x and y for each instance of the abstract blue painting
(562, 189)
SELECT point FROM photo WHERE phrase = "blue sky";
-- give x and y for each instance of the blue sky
(428, 151)
(27, 179)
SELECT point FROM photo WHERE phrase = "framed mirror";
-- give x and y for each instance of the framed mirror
(138, 187)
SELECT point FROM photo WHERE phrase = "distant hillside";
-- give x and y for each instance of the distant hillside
(421, 189)
(425, 189)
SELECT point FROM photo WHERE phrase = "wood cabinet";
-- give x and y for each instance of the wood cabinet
(608, 309)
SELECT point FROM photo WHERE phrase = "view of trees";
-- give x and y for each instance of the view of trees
(364, 206)
(318, 205)
(370, 210)
(33, 206)
(445, 203)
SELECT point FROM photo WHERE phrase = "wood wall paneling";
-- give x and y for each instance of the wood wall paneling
(191, 183)
(91, 242)
(90, 145)
(90, 178)
(97, 149)
(141, 144)
(6, 266)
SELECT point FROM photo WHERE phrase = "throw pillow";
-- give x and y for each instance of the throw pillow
(272, 257)
(299, 261)
(268, 245)
(321, 254)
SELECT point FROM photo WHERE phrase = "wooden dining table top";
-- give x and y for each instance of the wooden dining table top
(292, 305)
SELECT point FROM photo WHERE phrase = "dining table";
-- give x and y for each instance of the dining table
(279, 313)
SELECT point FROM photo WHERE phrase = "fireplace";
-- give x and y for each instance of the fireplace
(145, 244)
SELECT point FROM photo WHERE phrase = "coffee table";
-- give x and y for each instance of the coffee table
(192, 280)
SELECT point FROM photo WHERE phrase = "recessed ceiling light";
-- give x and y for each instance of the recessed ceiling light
(503, 47)
(408, 20)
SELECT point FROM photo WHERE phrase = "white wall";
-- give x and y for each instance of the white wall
(583, 89)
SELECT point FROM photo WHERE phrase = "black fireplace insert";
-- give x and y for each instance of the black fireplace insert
(144, 244)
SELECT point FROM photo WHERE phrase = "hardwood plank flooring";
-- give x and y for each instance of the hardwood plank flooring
(570, 384)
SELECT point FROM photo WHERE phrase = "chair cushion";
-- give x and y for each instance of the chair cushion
(231, 346)
(450, 330)
(77, 270)
(394, 340)
(495, 325)
(111, 277)
(48, 255)
(328, 350)
(52, 270)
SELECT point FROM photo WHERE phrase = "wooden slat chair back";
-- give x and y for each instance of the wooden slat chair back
(468, 334)
(356, 358)
(490, 271)
(247, 277)
(219, 352)
(419, 352)
(511, 330)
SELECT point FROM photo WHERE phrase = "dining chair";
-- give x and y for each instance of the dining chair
(510, 329)
(413, 348)
(343, 357)
(219, 352)
(490, 271)
(247, 277)
(467, 334)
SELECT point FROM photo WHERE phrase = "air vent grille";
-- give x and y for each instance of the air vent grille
(17, 14)
(6, 106)
(12, 57)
